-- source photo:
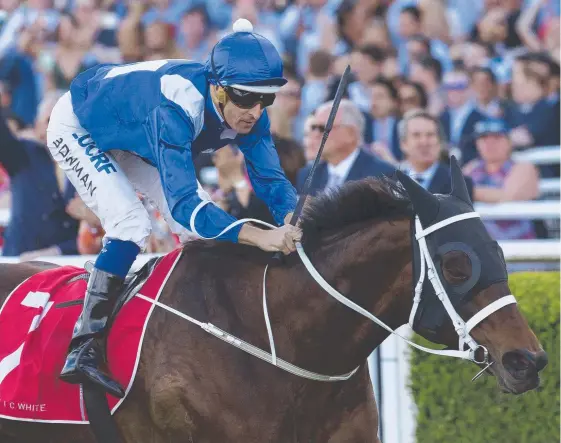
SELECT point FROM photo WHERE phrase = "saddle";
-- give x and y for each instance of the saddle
(36, 336)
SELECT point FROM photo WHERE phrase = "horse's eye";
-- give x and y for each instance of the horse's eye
(456, 267)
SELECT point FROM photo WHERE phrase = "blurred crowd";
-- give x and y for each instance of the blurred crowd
(478, 79)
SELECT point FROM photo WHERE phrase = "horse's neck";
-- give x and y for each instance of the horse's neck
(370, 267)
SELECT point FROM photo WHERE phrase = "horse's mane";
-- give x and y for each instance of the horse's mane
(354, 202)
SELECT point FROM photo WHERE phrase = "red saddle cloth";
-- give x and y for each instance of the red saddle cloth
(34, 339)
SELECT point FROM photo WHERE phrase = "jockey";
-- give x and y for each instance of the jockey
(136, 128)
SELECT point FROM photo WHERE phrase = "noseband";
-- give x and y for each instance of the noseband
(462, 328)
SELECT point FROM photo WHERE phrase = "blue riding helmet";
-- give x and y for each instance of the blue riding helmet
(246, 61)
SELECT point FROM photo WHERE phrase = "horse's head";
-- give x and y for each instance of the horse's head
(466, 291)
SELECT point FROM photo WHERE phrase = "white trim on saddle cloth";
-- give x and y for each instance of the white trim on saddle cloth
(144, 332)
(81, 404)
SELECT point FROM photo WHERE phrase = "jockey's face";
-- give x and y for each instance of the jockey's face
(241, 120)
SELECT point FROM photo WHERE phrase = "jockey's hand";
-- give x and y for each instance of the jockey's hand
(281, 239)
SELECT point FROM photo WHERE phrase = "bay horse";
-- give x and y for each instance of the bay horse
(191, 387)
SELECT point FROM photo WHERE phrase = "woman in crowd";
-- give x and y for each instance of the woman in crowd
(498, 178)
(72, 55)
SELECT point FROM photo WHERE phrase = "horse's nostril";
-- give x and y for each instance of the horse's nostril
(540, 360)
(520, 362)
(515, 361)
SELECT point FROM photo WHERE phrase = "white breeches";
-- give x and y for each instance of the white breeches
(108, 183)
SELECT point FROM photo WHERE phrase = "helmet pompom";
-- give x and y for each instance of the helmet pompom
(242, 25)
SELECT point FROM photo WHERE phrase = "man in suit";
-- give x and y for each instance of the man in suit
(421, 142)
(461, 115)
(381, 124)
(342, 159)
(486, 90)
(532, 117)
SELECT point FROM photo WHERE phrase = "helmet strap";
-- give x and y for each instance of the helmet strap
(221, 99)
(221, 96)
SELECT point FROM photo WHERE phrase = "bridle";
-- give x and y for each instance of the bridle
(462, 328)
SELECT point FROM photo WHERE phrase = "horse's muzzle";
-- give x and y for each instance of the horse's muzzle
(523, 368)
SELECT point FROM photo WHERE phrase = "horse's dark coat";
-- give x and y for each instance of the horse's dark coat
(192, 387)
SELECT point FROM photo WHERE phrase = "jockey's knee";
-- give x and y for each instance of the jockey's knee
(129, 224)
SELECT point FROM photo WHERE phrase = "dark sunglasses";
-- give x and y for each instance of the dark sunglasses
(247, 99)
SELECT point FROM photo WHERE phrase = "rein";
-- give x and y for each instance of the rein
(462, 328)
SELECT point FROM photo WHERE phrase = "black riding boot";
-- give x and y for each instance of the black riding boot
(86, 358)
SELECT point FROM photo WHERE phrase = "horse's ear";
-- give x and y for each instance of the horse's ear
(459, 187)
(425, 204)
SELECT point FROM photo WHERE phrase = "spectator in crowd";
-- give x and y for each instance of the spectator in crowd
(90, 232)
(195, 36)
(428, 73)
(72, 55)
(152, 40)
(166, 11)
(381, 130)
(474, 54)
(411, 95)
(437, 22)
(31, 14)
(542, 64)
(311, 147)
(367, 63)
(483, 82)
(19, 77)
(235, 194)
(498, 26)
(352, 20)
(377, 35)
(289, 100)
(129, 36)
(159, 42)
(418, 46)
(315, 89)
(410, 25)
(531, 116)
(525, 28)
(498, 178)
(460, 116)
(300, 27)
(39, 224)
(390, 69)
(291, 157)
(280, 122)
(248, 9)
(420, 134)
(342, 158)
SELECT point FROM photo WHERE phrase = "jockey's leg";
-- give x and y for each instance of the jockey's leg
(146, 180)
(105, 189)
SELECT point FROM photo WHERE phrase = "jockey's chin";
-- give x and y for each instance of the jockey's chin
(242, 120)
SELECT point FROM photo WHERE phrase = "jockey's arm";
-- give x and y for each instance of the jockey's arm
(180, 187)
(267, 177)
(174, 132)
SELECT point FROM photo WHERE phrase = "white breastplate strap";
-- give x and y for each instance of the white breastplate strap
(237, 342)
(249, 348)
